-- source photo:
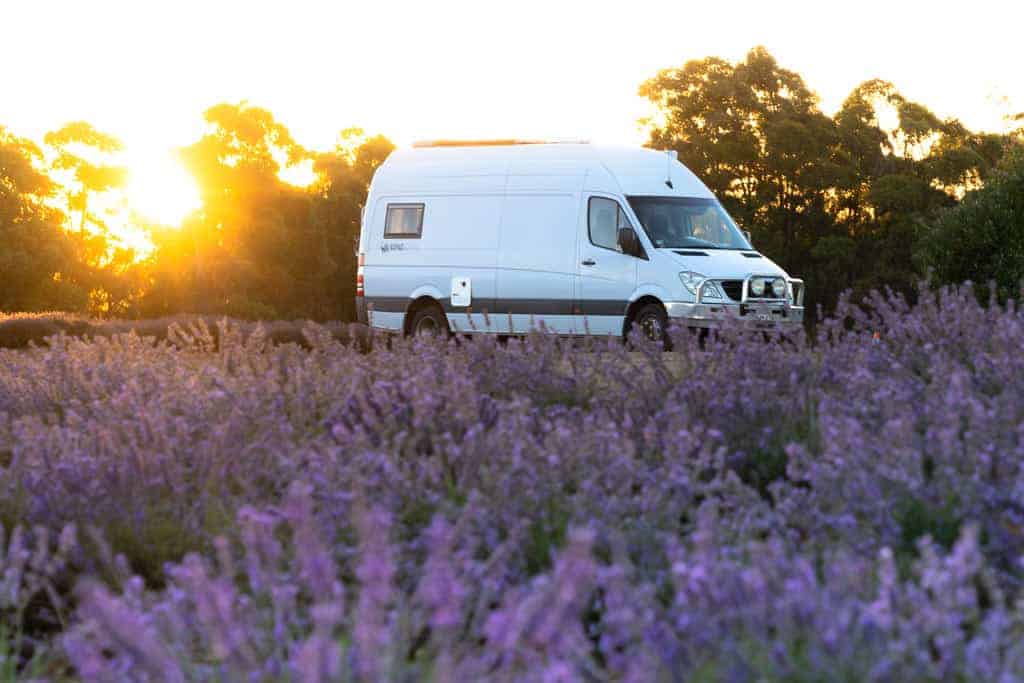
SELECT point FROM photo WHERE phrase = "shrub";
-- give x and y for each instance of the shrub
(982, 238)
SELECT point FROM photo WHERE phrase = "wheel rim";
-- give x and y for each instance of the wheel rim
(427, 326)
(651, 327)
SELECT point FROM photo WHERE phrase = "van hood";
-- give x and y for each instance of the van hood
(723, 263)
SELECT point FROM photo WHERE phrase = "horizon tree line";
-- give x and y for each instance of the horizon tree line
(880, 194)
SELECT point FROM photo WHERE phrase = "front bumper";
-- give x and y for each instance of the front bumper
(710, 315)
(757, 313)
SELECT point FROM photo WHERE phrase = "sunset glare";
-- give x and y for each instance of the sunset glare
(147, 72)
(161, 190)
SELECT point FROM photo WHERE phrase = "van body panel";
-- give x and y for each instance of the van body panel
(536, 259)
(511, 221)
(599, 180)
(607, 278)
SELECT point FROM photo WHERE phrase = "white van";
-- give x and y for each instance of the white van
(505, 236)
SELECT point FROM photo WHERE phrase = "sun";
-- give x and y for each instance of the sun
(160, 189)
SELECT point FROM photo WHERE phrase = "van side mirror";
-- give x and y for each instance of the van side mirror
(746, 233)
(630, 243)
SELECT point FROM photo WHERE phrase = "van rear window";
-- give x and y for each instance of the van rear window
(404, 221)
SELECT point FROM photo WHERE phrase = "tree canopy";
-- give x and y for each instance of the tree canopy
(39, 260)
(982, 238)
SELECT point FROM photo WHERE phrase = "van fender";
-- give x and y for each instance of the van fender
(428, 290)
(650, 289)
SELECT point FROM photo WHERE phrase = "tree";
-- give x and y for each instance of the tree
(38, 261)
(343, 180)
(92, 185)
(74, 143)
(982, 239)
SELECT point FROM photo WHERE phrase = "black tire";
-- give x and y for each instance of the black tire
(429, 320)
(652, 322)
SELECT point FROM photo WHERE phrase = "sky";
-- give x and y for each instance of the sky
(145, 71)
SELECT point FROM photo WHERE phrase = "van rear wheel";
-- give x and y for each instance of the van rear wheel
(430, 321)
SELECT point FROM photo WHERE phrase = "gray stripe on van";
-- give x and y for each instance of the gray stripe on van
(515, 306)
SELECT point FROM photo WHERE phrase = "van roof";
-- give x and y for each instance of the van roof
(625, 170)
(499, 142)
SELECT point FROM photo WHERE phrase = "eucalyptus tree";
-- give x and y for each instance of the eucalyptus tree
(343, 179)
(982, 238)
(39, 266)
(85, 153)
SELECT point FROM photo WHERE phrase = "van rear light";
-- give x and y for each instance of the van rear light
(360, 289)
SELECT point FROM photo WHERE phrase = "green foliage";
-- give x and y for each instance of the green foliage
(43, 664)
(545, 534)
(761, 469)
(157, 534)
(918, 518)
(344, 176)
(39, 262)
(982, 238)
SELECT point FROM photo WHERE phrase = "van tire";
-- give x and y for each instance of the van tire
(652, 323)
(429, 320)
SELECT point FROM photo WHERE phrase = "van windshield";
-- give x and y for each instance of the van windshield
(688, 223)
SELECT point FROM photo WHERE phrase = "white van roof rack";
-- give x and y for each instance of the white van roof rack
(495, 143)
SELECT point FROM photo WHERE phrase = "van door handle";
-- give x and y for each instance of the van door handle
(589, 262)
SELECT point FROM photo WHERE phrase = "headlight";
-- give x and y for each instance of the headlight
(757, 286)
(690, 281)
(779, 287)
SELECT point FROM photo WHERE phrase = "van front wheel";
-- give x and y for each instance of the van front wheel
(429, 320)
(652, 322)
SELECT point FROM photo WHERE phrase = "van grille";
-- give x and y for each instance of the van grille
(733, 289)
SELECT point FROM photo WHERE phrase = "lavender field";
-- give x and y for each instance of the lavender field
(217, 507)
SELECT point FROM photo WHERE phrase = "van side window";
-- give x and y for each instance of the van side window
(604, 218)
(404, 221)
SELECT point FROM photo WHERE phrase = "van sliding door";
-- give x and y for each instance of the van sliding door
(537, 263)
